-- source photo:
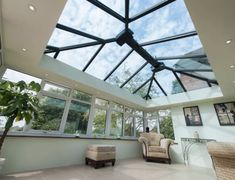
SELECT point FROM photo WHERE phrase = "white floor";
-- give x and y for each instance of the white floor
(135, 169)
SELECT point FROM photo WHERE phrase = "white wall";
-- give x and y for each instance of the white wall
(27, 153)
(211, 129)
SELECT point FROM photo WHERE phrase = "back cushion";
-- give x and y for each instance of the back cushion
(153, 138)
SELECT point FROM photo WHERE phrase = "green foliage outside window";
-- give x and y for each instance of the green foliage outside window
(166, 127)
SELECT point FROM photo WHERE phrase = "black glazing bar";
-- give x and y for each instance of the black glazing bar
(56, 54)
(142, 85)
(150, 85)
(209, 84)
(180, 82)
(193, 76)
(170, 38)
(127, 4)
(52, 48)
(114, 69)
(93, 57)
(77, 46)
(151, 9)
(75, 31)
(194, 70)
(107, 9)
(134, 74)
(159, 86)
(181, 57)
(49, 51)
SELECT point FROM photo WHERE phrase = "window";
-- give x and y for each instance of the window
(77, 119)
(81, 96)
(129, 126)
(99, 122)
(17, 126)
(56, 89)
(117, 120)
(166, 125)
(139, 125)
(101, 102)
(152, 121)
(50, 119)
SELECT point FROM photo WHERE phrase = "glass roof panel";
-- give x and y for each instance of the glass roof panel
(86, 17)
(139, 78)
(137, 6)
(177, 47)
(126, 69)
(191, 83)
(155, 91)
(60, 38)
(108, 58)
(51, 54)
(116, 5)
(77, 58)
(170, 20)
(143, 91)
(168, 82)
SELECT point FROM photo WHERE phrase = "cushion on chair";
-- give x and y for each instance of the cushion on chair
(101, 148)
(153, 138)
(157, 149)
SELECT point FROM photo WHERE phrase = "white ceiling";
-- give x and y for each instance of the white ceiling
(22, 28)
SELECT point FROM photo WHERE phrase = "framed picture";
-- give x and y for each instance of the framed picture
(192, 116)
(225, 113)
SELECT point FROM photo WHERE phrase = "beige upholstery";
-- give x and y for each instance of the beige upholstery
(101, 152)
(223, 157)
(155, 146)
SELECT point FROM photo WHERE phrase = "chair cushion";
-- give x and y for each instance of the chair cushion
(153, 138)
(101, 148)
(157, 149)
(100, 156)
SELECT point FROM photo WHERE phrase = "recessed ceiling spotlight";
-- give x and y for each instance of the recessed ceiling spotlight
(31, 7)
(23, 49)
(228, 41)
(232, 66)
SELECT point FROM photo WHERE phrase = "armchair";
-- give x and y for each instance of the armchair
(155, 147)
(223, 158)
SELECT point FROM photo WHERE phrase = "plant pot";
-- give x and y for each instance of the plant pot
(2, 160)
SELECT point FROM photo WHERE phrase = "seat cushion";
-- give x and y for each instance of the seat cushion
(100, 156)
(157, 149)
(101, 148)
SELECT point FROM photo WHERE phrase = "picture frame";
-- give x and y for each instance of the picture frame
(226, 113)
(192, 116)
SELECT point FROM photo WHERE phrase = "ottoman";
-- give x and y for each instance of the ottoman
(98, 154)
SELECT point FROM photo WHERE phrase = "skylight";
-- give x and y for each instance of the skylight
(148, 47)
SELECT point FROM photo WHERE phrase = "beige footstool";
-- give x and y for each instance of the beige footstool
(98, 154)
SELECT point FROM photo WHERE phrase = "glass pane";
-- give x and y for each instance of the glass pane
(52, 114)
(170, 20)
(99, 122)
(166, 127)
(151, 114)
(101, 102)
(129, 126)
(77, 119)
(177, 47)
(168, 82)
(77, 58)
(155, 91)
(143, 91)
(152, 124)
(15, 76)
(51, 54)
(138, 113)
(163, 113)
(116, 5)
(116, 124)
(128, 110)
(56, 89)
(81, 96)
(86, 17)
(137, 6)
(108, 58)
(139, 126)
(139, 78)
(118, 107)
(17, 126)
(126, 69)
(61, 38)
(192, 83)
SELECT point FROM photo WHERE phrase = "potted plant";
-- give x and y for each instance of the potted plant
(18, 101)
